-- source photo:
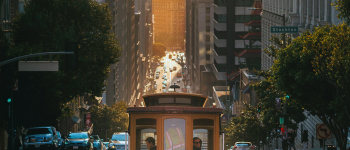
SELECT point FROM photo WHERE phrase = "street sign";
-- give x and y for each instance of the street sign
(323, 132)
(284, 29)
(281, 120)
(37, 65)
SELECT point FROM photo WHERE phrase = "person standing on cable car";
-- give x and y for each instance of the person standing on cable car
(150, 142)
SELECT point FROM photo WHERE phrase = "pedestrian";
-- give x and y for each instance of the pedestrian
(291, 138)
(305, 139)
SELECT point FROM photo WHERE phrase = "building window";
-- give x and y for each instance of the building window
(207, 19)
(207, 38)
(207, 10)
(220, 18)
(247, 18)
(207, 47)
(207, 28)
(239, 60)
(207, 56)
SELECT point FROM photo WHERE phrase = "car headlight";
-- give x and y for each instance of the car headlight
(85, 143)
(112, 146)
(66, 142)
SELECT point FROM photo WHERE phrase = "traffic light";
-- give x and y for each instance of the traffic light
(259, 109)
(9, 100)
(71, 61)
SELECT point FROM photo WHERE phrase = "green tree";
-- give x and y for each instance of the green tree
(158, 50)
(314, 70)
(45, 27)
(108, 120)
(344, 7)
(246, 127)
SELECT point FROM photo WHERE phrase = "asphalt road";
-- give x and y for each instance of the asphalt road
(171, 76)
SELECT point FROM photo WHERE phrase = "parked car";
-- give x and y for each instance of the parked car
(178, 81)
(98, 145)
(157, 76)
(163, 87)
(117, 141)
(243, 146)
(164, 91)
(78, 140)
(174, 68)
(41, 137)
(60, 140)
(106, 143)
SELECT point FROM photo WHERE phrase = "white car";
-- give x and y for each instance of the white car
(243, 146)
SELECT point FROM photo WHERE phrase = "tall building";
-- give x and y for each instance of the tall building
(305, 14)
(236, 44)
(123, 78)
(201, 29)
(169, 20)
(143, 12)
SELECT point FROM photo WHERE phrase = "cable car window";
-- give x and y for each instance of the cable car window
(174, 134)
(146, 130)
(166, 100)
(183, 100)
(203, 135)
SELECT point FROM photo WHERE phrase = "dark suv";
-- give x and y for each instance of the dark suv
(79, 141)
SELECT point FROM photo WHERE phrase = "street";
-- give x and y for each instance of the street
(171, 76)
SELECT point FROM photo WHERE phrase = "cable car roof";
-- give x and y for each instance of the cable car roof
(174, 103)
(174, 99)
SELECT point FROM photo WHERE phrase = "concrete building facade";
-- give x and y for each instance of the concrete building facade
(169, 19)
(123, 78)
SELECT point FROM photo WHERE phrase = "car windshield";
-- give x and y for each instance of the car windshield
(95, 138)
(77, 136)
(118, 137)
(39, 131)
(242, 144)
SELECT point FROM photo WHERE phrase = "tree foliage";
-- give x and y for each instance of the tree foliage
(344, 7)
(314, 70)
(108, 120)
(246, 127)
(46, 26)
(158, 50)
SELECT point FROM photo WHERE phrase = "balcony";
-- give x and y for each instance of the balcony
(220, 26)
(220, 50)
(219, 42)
